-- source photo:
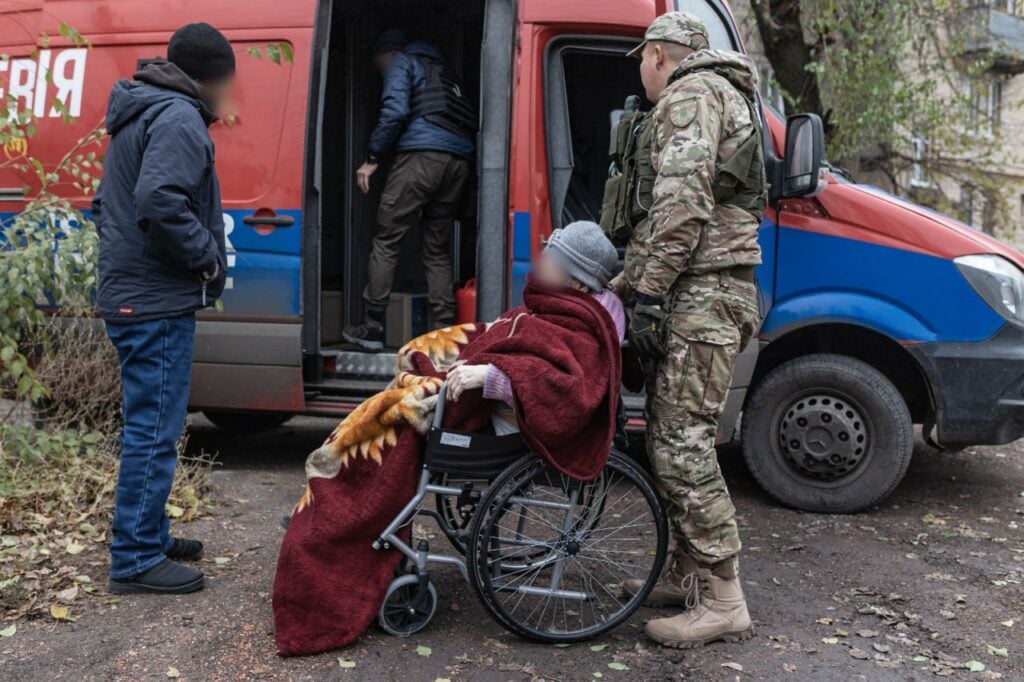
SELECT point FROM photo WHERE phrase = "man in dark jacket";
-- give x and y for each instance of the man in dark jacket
(426, 120)
(162, 257)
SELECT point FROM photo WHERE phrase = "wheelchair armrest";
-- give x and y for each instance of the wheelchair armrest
(442, 396)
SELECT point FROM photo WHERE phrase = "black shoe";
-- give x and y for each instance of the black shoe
(166, 577)
(369, 335)
(185, 550)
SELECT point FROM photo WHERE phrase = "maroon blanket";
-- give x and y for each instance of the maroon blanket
(561, 352)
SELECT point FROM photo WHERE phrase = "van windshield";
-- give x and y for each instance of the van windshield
(715, 17)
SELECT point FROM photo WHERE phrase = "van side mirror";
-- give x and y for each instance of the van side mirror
(805, 149)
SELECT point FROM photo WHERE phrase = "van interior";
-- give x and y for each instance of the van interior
(584, 111)
(351, 99)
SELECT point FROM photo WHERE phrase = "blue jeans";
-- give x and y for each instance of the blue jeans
(156, 366)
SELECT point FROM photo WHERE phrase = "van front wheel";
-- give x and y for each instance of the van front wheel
(827, 433)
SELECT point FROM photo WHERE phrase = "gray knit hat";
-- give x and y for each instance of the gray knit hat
(585, 252)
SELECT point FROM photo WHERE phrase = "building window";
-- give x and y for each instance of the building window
(918, 153)
(971, 206)
(1010, 6)
(985, 98)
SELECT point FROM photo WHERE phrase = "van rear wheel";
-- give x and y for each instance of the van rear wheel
(827, 433)
(244, 423)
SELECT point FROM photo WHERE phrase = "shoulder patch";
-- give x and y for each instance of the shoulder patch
(683, 109)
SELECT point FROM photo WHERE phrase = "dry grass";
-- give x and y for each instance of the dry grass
(58, 471)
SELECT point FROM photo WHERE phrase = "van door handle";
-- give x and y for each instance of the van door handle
(255, 220)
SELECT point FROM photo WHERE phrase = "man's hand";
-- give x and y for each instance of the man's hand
(363, 176)
(646, 331)
(465, 378)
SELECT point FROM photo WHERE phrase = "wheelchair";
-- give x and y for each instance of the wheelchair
(545, 554)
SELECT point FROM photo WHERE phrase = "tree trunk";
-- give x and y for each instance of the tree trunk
(780, 24)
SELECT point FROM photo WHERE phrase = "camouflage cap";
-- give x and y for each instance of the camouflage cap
(676, 27)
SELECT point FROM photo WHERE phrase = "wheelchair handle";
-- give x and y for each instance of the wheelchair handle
(442, 396)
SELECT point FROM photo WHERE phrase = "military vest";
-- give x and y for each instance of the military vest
(628, 191)
(442, 101)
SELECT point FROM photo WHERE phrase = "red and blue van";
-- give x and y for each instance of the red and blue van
(880, 315)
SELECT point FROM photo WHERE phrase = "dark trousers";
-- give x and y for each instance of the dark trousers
(423, 188)
(156, 366)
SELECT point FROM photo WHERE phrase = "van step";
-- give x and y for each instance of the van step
(354, 364)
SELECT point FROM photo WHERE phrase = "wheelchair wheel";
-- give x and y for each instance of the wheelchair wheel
(401, 614)
(548, 555)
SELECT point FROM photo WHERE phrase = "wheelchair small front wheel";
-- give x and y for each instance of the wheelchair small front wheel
(405, 611)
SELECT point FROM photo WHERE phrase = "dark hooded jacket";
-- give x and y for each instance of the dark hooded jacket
(394, 130)
(157, 209)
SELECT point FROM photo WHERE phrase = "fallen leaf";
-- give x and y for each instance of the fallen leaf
(867, 634)
(974, 666)
(174, 511)
(59, 612)
(615, 665)
(221, 560)
(598, 675)
(83, 579)
(69, 595)
(345, 663)
(74, 548)
(442, 679)
(598, 647)
(789, 667)
(996, 651)
(859, 653)
(733, 666)
(830, 640)
(563, 646)
(9, 630)
(424, 650)
(1007, 623)
(173, 673)
(920, 659)
(881, 648)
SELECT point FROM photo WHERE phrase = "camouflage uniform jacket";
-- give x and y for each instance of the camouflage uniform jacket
(700, 120)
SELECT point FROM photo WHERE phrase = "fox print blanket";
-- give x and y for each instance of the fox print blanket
(562, 355)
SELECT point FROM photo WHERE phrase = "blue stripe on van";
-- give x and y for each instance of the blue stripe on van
(521, 257)
(908, 296)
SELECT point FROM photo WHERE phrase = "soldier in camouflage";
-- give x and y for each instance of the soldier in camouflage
(690, 278)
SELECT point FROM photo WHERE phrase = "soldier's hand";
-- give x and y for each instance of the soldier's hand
(647, 330)
(363, 176)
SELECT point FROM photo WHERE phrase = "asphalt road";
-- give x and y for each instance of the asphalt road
(921, 586)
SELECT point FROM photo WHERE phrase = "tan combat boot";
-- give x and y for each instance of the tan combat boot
(721, 615)
(679, 587)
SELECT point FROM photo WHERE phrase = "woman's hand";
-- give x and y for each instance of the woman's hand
(465, 378)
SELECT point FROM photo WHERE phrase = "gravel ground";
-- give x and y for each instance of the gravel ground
(927, 584)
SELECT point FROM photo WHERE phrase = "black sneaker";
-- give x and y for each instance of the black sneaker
(166, 577)
(369, 335)
(185, 550)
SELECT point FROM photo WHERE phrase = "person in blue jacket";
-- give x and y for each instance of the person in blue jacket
(427, 122)
(162, 257)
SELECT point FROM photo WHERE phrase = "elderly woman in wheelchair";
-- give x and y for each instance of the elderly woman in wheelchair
(507, 429)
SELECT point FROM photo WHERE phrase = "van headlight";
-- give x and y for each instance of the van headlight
(998, 281)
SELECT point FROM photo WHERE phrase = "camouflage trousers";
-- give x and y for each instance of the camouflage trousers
(711, 319)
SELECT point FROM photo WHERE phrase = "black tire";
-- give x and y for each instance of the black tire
(487, 521)
(244, 423)
(827, 433)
